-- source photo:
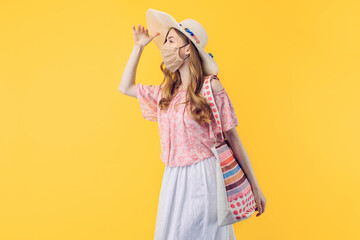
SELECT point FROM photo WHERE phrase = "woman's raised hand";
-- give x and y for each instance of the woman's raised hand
(141, 36)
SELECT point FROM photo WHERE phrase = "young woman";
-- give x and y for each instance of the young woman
(187, 207)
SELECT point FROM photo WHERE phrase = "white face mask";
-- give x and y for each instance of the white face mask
(171, 57)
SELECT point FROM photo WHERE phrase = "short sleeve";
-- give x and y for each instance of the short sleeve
(226, 112)
(147, 97)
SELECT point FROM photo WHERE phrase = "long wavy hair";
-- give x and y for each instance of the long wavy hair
(198, 108)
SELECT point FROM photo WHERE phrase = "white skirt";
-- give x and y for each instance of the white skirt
(187, 208)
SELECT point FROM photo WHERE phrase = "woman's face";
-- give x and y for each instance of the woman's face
(173, 40)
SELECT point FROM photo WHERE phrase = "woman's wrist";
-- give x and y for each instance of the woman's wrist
(255, 186)
(138, 47)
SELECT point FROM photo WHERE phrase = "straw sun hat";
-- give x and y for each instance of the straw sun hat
(161, 22)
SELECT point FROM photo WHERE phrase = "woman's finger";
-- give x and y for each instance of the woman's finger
(259, 208)
(257, 205)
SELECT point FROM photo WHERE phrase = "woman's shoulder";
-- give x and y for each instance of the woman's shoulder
(216, 85)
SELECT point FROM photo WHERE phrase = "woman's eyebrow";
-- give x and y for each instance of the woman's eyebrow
(170, 37)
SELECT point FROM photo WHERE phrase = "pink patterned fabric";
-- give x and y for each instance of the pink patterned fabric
(183, 140)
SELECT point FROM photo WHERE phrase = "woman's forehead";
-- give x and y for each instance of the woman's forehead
(172, 34)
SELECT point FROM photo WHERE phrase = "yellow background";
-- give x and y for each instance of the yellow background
(78, 161)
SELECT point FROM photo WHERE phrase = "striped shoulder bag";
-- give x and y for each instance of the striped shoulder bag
(235, 200)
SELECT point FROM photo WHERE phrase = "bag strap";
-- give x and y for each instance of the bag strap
(206, 91)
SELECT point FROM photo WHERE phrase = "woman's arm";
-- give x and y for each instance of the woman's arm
(127, 84)
(236, 145)
(240, 154)
(141, 39)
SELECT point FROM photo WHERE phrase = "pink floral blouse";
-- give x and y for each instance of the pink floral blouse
(183, 141)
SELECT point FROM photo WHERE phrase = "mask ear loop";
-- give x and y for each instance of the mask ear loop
(184, 45)
(188, 54)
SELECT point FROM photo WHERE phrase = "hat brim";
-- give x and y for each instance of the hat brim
(161, 22)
